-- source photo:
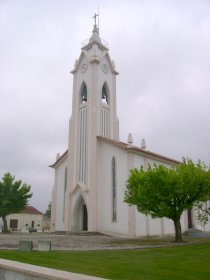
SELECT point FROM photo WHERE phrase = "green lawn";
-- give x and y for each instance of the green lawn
(180, 262)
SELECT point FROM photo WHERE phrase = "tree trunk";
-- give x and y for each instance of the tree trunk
(178, 230)
(5, 227)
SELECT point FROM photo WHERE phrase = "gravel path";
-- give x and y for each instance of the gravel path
(63, 241)
(90, 241)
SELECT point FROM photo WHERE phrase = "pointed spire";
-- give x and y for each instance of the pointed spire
(57, 156)
(130, 140)
(95, 36)
(143, 144)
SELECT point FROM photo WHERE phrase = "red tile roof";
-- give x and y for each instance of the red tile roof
(138, 150)
(31, 210)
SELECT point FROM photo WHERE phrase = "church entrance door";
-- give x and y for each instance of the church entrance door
(85, 225)
(81, 215)
(189, 215)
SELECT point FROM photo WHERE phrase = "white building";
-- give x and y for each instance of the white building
(90, 177)
(28, 219)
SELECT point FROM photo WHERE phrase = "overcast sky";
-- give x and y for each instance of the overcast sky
(161, 50)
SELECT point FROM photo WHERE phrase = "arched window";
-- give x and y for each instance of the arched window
(65, 180)
(64, 192)
(104, 95)
(114, 194)
(84, 93)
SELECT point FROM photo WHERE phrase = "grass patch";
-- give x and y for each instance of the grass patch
(180, 262)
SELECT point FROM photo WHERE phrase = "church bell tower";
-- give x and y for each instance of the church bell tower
(93, 114)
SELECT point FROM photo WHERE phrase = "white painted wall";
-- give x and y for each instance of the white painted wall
(104, 189)
(196, 224)
(144, 225)
(141, 224)
(11, 270)
(169, 226)
(59, 184)
(25, 220)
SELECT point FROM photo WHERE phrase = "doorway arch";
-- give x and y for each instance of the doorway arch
(81, 215)
(190, 218)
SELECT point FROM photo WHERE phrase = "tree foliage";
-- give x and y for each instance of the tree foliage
(47, 214)
(160, 191)
(14, 197)
(202, 213)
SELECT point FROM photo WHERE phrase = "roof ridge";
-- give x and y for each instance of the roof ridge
(125, 146)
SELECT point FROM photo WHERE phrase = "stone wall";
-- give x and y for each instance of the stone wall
(11, 270)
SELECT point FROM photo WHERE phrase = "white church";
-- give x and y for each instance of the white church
(90, 177)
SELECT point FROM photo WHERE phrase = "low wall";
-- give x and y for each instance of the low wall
(11, 270)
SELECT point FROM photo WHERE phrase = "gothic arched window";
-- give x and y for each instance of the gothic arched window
(104, 95)
(64, 193)
(65, 179)
(114, 194)
(84, 93)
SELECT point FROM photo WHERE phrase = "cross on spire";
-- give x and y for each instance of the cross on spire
(95, 26)
(95, 16)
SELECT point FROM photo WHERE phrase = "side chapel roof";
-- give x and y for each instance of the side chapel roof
(126, 147)
(59, 160)
(138, 150)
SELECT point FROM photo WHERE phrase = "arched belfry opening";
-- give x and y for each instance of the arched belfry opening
(104, 94)
(80, 215)
(105, 108)
(83, 93)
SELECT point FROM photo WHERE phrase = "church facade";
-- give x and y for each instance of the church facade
(90, 177)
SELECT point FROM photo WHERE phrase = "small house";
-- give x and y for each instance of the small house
(28, 220)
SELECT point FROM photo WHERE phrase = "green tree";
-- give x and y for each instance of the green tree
(167, 192)
(47, 214)
(13, 197)
(202, 213)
